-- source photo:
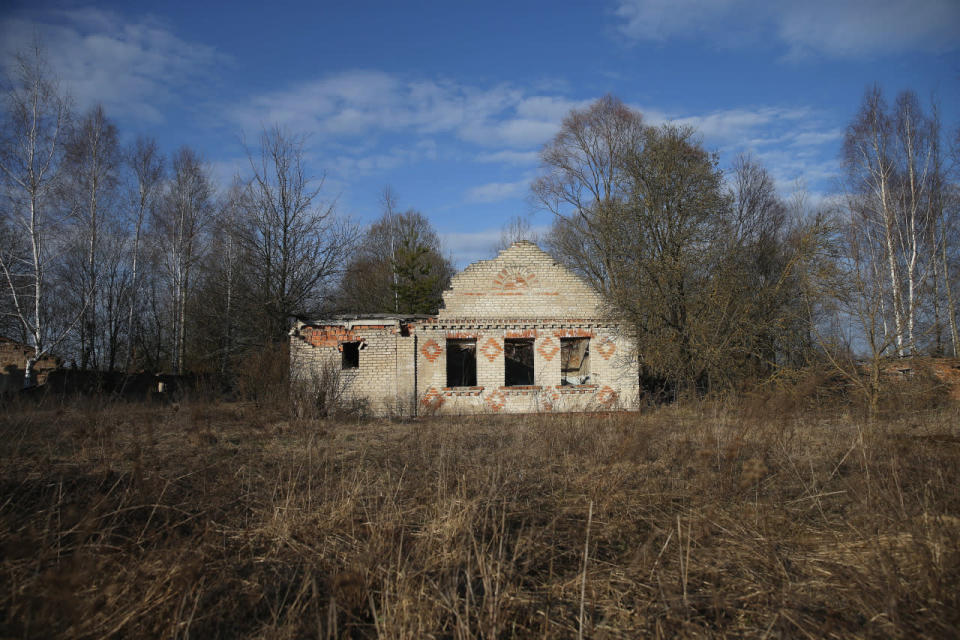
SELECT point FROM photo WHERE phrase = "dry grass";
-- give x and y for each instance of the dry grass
(211, 520)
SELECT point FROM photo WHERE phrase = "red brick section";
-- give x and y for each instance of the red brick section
(550, 399)
(606, 396)
(521, 333)
(431, 350)
(496, 400)
(432, 399)
(548, 348)
(606, 348)
(330, 336)
(462, 391)
(491, 349)
(461, 335)
(573, 333)
(513, 279)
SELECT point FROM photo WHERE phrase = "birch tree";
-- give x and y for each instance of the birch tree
(92, 163)
(179, 223)
(146, 163)
(35, 126)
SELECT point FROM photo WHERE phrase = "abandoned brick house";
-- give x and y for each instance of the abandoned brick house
(518, 333)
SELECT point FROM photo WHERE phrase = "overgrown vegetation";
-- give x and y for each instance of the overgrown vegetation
(787, 514)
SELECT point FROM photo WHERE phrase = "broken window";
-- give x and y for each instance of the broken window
(518, 362)
(574, 360)
(351, 355)
(461, 363)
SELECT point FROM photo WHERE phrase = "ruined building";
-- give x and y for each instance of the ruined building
(519, 333)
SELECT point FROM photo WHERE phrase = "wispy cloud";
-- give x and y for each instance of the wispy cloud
(853, 28)
(470, 247)
(735, 124)
(368, 102)
(497, 191)
(510, 157)
(133, 68)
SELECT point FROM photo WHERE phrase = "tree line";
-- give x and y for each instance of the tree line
(121, 258)
(722, 282)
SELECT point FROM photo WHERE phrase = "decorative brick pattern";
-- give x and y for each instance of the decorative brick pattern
(606, 397)
(523, 293)
(431, 350)
(491, 349)
(573, 333)
(495, 400)
(462, 391)
(548, 348)
(514, 279)
(606, 348)
(578, 389)
(520, 333)
(432, 399)
(550, 399)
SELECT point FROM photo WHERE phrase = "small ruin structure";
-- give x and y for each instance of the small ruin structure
(13, 359)
(516, 334)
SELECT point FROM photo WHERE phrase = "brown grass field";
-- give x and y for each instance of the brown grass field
(722, 519)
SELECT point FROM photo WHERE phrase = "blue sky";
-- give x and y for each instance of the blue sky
(449, 102)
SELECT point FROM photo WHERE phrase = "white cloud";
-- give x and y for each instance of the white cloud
(851, 28)
(497, 191)
(367, 102)
(133, 68)
(470, 247)
(735, 124)
(392, 158)
(511, 157)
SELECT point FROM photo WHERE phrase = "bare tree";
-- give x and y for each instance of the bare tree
(31, 151)
(585, 183)
(225, 278)
(516, 229)
(92, 163)
(891, 164)
(146, 163)
(707, 279)
(180, 222)
(296, 243)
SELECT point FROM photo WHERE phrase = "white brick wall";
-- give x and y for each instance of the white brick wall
(522, 292)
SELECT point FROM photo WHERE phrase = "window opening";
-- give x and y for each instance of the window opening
(518, 362)
(351, 355)
(461, 363)
(574, 361)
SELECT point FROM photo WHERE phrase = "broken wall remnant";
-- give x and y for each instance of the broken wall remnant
(518, 333)
(13, 360)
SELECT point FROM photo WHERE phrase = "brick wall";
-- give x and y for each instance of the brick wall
(522, 293)
(522, 281)
(13, 359)
(383, 381)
